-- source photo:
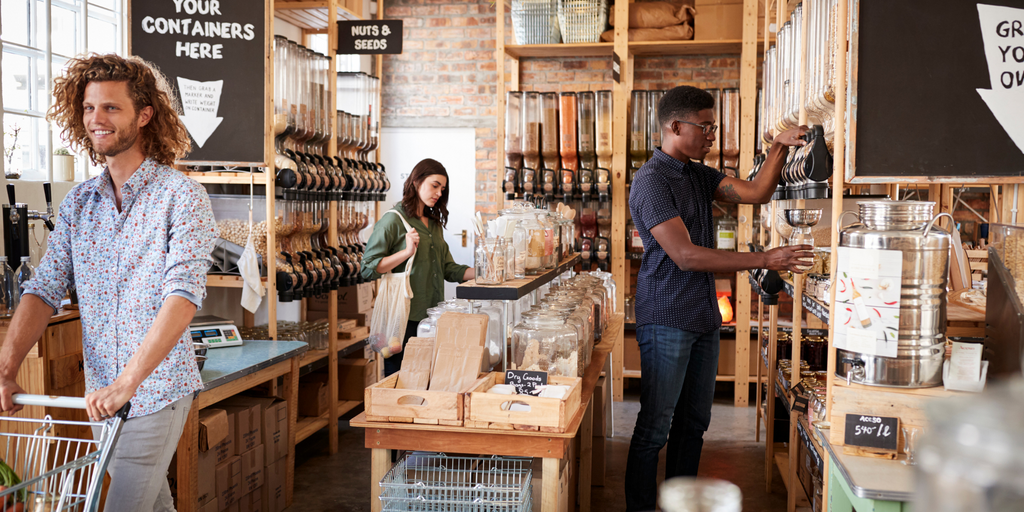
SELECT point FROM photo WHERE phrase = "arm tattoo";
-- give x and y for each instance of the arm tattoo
(726, 192)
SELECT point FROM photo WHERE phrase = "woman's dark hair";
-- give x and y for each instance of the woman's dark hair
(410, 192)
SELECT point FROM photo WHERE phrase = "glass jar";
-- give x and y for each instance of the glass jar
(427, 328)
(494, 341)
(548, 234)
(489, 258)
(604, 219)
(630, 309)
(520, 244)
(544, 342)
(725, 233)
(634, 244)
(533, 248)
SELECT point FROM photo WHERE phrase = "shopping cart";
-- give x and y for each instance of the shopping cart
(58, 473)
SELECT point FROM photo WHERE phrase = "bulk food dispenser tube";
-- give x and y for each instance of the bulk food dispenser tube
(513, 142)
(567, 137)
(531, 145)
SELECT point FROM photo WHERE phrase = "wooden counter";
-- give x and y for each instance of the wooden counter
(552, 447)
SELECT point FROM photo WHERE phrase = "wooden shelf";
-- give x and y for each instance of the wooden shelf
(560, 50)
(729, 46)
(515, 289)
(631, 374)
(309, 15)
(235, 178)
(782, 461)
(345, 406)
(811, 305)
(218, 281)
(312, 356)
(309, 425)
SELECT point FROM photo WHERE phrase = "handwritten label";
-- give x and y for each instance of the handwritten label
(526, 382)
(1002, 30)
(879, 432)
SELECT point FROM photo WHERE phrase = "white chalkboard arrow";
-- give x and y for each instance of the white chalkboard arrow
(199, 101)
(1000, 30)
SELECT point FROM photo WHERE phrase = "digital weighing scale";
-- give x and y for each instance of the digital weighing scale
(216, 331)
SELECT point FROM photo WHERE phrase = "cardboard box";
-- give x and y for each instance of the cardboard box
(351, 299)
(206, 491)
(252, 469)
(229, 481)
(248, 431)
(362, 318)
(721, 19)
(252, 502)
(313, 395)
(213, 427)
(211, 506)
(354, 375)
(231, 508)
(273, 486)
(630, 352)
(273, 418)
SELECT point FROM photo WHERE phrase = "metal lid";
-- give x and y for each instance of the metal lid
(895, 215)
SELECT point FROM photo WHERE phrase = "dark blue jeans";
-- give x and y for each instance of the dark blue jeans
(677, 386)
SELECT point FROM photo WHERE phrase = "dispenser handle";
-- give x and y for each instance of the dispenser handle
(839, 226)
(928, 228)
(10, 194)
(46, 192)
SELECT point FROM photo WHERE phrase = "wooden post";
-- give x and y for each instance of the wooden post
(620, 129)
(270, 174)
(748, 108)
(499, 58)
(332, 235)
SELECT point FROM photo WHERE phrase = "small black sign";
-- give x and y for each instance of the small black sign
(800, 403)
(799, 389)
(372, 37)
(616, 67)
(878, 432)
(526, 382)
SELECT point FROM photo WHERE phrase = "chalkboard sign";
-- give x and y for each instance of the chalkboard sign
(369, 37)
(524, 381)
(878, 432)
(940, 89)
(213, 53)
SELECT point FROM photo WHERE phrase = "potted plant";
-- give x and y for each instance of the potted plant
(63, 165)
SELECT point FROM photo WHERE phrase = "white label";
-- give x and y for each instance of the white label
(965, 362)
(727, 240)
(199, 102)
(859, 340)
(637, 241)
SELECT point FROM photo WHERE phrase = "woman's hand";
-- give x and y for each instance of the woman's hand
(412, 241)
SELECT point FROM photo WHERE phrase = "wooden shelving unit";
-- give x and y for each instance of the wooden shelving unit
(508, 57)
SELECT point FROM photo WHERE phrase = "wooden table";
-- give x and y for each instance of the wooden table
(553, 448)
(228, 372)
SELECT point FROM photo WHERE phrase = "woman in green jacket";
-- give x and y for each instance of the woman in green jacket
(424, 207)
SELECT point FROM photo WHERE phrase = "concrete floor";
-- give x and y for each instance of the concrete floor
(340, 483)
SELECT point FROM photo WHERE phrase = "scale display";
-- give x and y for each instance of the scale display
(218, 332)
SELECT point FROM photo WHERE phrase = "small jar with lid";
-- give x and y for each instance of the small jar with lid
(489, 259)
(725, 233)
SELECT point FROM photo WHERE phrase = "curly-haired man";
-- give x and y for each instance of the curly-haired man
(135, 243)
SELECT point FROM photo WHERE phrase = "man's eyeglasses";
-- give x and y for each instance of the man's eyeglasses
(707, 128)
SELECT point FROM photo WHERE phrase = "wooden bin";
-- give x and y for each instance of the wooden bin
(385, 403)
(484, 410)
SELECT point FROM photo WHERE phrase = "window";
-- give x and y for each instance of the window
(38, 37)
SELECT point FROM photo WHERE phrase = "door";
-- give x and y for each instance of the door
(455, 148)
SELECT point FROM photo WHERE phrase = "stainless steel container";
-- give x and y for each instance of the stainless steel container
(909, 227)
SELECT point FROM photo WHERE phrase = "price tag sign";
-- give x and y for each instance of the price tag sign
(876, 432)
(373, 37)
(524, 381)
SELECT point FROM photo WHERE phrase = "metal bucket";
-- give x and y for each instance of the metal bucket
(909, 227)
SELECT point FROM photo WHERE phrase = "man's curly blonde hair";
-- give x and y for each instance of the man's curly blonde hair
(164, 138)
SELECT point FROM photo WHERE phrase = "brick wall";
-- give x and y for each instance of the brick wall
(447, 75)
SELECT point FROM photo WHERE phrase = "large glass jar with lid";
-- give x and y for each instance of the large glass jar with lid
(533, 262)
(565, 309)
(489, 259)
(543, 342)
(427, 327)
(548, 238)
(494, 337)
(725, 233)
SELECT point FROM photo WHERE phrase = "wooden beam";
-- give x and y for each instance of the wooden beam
(620, 134)
(268, 157)
(499, 58)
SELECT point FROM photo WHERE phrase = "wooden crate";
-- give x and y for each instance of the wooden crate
(385, 403)
(484, 410)
(353, 333)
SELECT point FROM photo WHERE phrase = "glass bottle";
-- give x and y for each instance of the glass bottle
(603, 116)
(585, 121)
(25, 273)
(638, 129)
(653, 123)
(725, 233)
(634, 244)
(531, 143)
(9, 296)
(549, 130)
(513, 140)
(520, 241)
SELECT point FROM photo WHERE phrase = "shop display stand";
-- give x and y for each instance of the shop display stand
(514, 290)
(316, 17)
(508, 57)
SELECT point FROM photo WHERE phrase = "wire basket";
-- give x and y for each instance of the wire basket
(535, 21)
(435, 481)
(582, 21)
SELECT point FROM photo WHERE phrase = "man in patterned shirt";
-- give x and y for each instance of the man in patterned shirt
(677, 315)
(135, 243)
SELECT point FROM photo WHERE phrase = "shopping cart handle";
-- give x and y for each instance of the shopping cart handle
(66, 402)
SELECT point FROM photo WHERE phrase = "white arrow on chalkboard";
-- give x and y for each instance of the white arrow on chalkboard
(1006, 97)
(200, 101)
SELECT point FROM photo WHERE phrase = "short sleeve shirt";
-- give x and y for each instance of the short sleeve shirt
(665, 188)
